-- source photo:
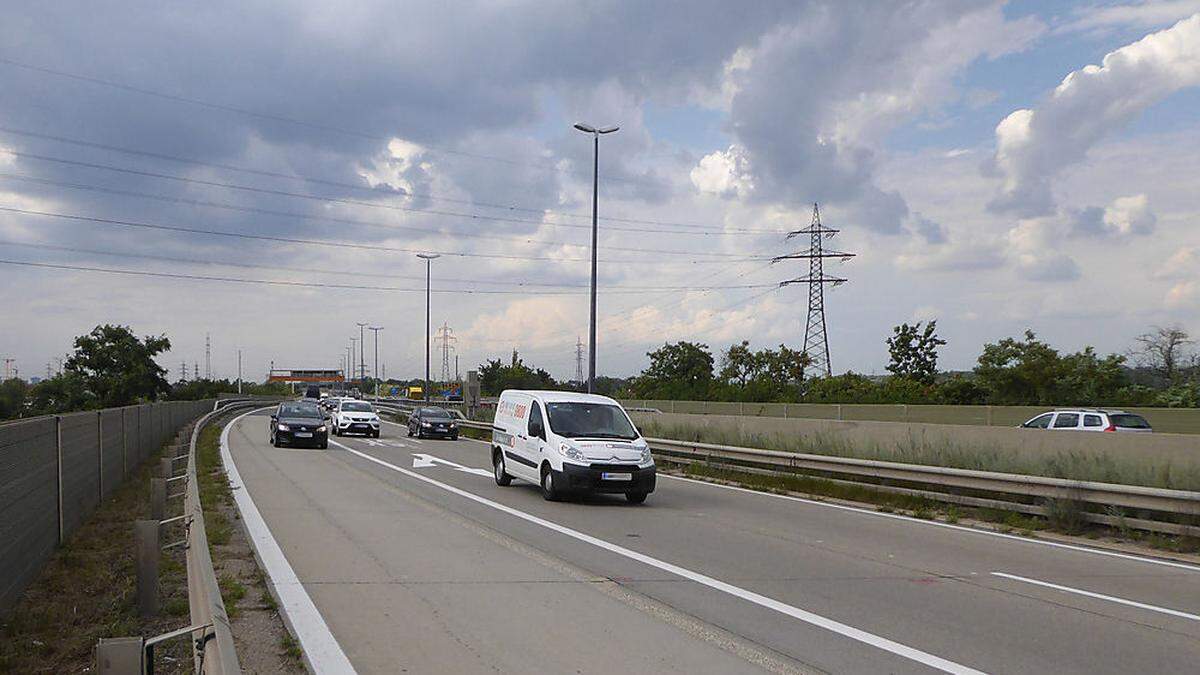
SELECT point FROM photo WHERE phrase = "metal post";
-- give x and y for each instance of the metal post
(591, 387)
(124, 443)
(100, 455)
(145, 533)
(428, 258)
(58, 462)
(989, 415)
(839, 411)
(158, 498)
(168, 467)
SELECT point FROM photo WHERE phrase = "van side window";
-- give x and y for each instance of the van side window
(535, 417)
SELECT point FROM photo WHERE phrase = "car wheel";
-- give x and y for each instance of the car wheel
(454, 437)
(375, 433)
(498, 470)
(410, 432)
(636, 497)
(324, 446)
(550, 491)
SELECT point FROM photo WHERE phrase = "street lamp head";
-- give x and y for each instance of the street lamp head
(429, 256)
(585, 128)
(607, 130)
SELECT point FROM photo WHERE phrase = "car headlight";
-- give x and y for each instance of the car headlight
(453, 425)
(647, 458)
(426, 424)
(321, 428)
(283, 427)
(571, 452)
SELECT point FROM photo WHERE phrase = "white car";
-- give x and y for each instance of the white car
(567, 442)
(352, 416)
(1089, 419)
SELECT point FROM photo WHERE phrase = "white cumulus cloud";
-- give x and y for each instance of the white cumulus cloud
(1033, 145)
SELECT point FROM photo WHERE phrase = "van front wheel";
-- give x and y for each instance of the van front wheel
(502, 477)
(550, 491)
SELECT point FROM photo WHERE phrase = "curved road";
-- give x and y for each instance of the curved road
(407, 556)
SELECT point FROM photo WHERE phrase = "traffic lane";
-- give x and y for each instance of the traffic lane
(935, 551)
(403, 584)
(949, 608)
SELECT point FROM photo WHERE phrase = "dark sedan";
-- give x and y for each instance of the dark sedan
(299, 424)
(432, 422)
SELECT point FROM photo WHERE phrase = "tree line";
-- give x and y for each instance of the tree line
(110, 367)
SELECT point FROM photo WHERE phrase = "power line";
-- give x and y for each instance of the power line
(709, 230)
(376, 205)
(311, 270)
(307, 242)
(288, 120)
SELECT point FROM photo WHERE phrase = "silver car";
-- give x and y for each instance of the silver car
(1089, 419)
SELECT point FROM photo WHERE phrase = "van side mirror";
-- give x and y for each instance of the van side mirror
(536, 429)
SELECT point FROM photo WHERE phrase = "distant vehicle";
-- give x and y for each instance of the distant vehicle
(1089, 419)
(432, 422)
(313, 391)
(567, 442)
(414, 392)
(351, 416)
(299, 423)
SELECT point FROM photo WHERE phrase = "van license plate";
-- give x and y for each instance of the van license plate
(303, 434)
(616, 476)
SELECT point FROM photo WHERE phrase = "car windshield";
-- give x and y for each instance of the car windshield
(434, 412)
(299, 411)
(590, 420)
(356, 406)
(1129, 421)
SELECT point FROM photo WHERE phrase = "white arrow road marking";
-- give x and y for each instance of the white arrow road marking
(422, 461)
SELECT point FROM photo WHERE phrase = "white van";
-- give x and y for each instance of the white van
(567, 442)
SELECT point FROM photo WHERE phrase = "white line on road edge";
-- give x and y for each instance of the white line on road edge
(851, 632)
(320, 648)
(949, 526)
(1100, 596)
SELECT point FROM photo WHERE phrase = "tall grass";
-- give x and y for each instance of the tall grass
(1073, 465)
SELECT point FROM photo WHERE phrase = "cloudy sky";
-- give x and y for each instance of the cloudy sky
(996, 166)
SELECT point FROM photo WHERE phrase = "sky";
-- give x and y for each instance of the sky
(994, 166)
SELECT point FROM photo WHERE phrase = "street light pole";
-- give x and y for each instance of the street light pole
(362, 354)
(595, 132)
(428, 258)
(375, 330)
(353, 363)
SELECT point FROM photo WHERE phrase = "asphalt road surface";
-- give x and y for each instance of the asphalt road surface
(399, 555)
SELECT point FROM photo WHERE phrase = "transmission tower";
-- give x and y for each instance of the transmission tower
(579, 360)
(183, 371)
(446, 336)
(816, 337)
(197, 371)
(207, 357)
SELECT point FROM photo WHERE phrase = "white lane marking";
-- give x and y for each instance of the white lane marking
(422, 461)
(817, 620)
(1099, 596)
(949, 526)
(321, 649)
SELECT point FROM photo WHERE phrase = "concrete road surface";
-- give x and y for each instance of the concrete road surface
(407, 557)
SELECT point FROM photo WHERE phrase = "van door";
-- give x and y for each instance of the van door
(529, 444)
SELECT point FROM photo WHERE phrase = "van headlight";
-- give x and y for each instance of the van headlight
(647, 458)
(571, 452)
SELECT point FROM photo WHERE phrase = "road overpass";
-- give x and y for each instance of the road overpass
(403, 554)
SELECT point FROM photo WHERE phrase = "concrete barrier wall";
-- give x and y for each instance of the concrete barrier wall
(55, 470)
(1138, 458)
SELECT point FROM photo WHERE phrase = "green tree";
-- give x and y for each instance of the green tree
(13, 393)
(63, 393)
(117, 368)
(1020, 372)
(683, 370)
(914, 351)
(1090, 380)
(495, 376)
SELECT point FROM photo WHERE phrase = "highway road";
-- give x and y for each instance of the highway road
(403, 555)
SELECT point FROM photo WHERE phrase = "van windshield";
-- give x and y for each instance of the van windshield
(590, 420)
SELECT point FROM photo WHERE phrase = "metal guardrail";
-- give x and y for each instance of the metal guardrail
(217, 656)
(990, 489)
(961, 486)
